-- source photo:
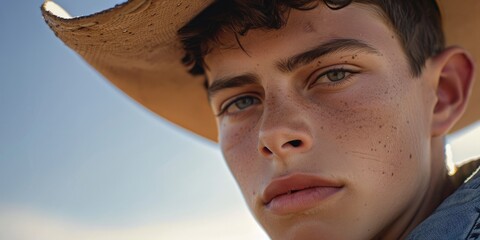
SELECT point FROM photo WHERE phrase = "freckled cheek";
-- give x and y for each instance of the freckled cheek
(239, 148)
(237, 136)
(381, 153)
(374, 118)
(375, 128)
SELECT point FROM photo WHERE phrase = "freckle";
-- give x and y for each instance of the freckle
(321, 127)
(393, 37)
(408, 122)
(385, 146)
(392, 174)
(410, 156)
(253, 193)
(380, 126)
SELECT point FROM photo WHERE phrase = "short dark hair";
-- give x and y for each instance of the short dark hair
(417, 23)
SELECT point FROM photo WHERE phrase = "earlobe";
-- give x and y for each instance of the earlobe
(455, 78)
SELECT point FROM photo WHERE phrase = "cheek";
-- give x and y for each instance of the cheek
(382, 115)
(377, 138)
(239, 148)
(379, 129)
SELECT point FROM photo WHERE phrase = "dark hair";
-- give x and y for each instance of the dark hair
(416, 22)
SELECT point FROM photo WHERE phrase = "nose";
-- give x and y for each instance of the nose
(283, 132)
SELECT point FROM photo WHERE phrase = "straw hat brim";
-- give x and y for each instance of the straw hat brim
(135, 46)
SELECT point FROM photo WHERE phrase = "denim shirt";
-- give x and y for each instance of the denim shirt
(458, 217)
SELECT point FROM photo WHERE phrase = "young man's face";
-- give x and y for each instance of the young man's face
(323, 125)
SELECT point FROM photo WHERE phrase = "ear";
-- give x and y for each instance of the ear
(455, 72)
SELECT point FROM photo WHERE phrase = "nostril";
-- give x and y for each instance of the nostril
(283, 149)
(266, 151)
(295, 143)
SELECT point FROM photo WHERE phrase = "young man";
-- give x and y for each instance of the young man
(331, 115)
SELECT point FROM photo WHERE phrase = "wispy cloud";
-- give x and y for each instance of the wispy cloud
(27, 224)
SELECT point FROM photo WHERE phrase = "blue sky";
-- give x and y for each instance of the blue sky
(77, 153)
(78, 157)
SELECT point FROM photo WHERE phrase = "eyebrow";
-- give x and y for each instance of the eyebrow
(231, 82)
(290, 64)
(330, 47)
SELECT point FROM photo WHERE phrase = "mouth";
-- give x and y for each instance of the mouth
(297, 193)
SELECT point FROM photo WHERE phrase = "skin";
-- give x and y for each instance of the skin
(377, 130)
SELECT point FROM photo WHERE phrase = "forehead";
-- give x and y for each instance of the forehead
(304, 30)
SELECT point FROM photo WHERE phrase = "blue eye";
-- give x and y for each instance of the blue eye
(336, 75)
(240, 104)
(332, 77)
(244, 102)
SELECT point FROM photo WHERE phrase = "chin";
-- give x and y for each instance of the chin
(307, 231)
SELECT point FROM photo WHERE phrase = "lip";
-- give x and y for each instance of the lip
(298, 192)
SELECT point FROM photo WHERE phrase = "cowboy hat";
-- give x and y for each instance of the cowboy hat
(135, 46)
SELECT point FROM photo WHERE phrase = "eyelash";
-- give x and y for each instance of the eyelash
(349, 74)
(345, 80)
(224, 109)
